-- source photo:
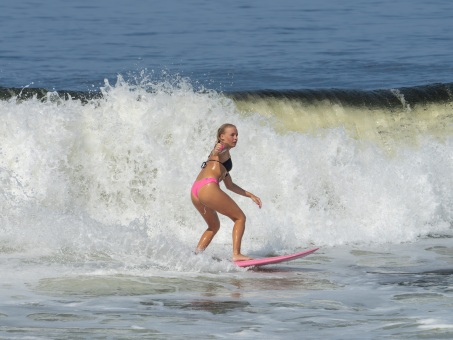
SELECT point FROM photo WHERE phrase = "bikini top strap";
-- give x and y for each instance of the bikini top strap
(203, 165)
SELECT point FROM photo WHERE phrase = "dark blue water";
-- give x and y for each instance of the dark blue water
(232, 45)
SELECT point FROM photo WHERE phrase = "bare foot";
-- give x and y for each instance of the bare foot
(240, 257)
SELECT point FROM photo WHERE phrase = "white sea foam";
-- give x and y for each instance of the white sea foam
(113, 177)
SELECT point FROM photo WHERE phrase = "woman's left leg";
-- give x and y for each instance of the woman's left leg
(214, 199)
(212, 220)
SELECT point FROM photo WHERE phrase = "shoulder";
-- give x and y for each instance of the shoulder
(225, 157)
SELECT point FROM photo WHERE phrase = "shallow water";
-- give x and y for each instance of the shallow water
(402, 291)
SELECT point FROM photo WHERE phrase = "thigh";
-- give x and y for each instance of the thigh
(208, 214)
(214, 198)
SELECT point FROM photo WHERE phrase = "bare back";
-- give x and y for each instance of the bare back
(214, 168)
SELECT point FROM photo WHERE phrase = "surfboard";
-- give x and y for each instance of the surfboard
(274, 259)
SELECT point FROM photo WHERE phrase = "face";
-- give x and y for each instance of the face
(229, 137)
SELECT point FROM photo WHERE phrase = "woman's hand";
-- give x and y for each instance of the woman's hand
(256, 199)
(218, 149)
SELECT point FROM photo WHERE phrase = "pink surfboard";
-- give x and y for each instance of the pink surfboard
(274, 259)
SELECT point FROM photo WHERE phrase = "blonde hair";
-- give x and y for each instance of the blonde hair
(221, 130)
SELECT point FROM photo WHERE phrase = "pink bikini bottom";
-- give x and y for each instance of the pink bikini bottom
(202, 182)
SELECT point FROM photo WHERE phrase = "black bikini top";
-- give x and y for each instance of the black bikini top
(228, 164)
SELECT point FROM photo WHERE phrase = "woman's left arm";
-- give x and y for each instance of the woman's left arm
(230, 185)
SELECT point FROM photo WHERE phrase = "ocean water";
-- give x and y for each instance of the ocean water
(345, 119)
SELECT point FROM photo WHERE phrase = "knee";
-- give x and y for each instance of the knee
(214, 227)
(239, 218)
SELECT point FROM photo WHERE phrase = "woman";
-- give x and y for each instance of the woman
(209, 199)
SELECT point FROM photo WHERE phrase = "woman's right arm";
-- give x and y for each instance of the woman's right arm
(230, 185)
